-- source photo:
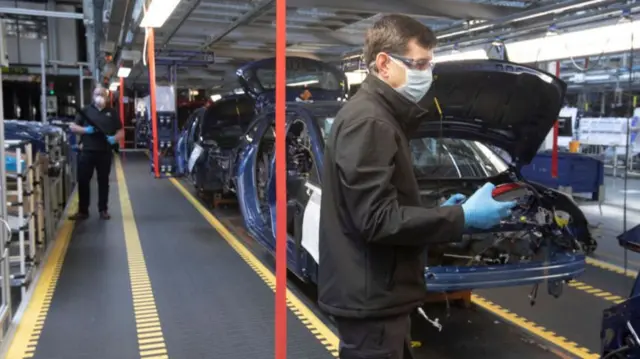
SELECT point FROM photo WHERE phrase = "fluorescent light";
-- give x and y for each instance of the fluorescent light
(605, 39)
(158, 12)
(114, 86)
(527, 17)
(594, 41)
(303, 83)
(215, 97)
(124, 71)
(478, 54)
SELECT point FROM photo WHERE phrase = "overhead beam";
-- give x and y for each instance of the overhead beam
(451, 9)
(267, 34)
(260, 9)
(183, 19)
(43, 13)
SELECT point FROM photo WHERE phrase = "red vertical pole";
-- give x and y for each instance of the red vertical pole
(554, 153)
(281, 184)
(151, 60)
(121, 102)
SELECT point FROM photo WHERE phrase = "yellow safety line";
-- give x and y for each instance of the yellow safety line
(150, 338)
(611, 267)
(603, 294)
(326, 336)
(25, 340)
(534, 328)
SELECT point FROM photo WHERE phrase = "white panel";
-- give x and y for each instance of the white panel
(67, 37)
(311, 223)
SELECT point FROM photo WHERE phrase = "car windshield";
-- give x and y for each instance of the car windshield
(448, 157)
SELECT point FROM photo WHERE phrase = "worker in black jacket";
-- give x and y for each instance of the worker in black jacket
(95, 152)
(373, 229)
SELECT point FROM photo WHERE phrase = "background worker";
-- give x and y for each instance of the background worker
(373, 228)
(96, 151)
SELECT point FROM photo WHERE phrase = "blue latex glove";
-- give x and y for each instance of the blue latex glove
(112, 139)
(482, 211)
(453, 200)
(89, 130)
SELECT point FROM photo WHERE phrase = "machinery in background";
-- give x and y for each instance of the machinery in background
(167, 131)
(142, 123)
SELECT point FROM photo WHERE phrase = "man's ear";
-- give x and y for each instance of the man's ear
(382, 65)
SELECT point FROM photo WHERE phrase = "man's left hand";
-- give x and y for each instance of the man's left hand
(453, 200)
(112, 139)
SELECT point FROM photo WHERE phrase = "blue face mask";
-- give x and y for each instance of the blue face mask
(417, 83)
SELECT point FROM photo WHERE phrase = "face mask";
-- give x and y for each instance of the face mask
(417, 84)
(99, 101)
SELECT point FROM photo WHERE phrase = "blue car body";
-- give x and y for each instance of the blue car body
(315, 93)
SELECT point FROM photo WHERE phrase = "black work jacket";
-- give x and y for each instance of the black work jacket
(373, 229)
(108, 121)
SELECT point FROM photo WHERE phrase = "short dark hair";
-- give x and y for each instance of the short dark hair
(392, 33)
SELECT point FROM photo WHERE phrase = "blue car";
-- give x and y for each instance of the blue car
(209, 139)
(474, 108)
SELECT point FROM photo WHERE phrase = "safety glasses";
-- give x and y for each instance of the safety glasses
(421, 65)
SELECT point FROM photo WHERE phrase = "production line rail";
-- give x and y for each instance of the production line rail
(167, 278)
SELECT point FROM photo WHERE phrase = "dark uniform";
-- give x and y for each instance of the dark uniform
(95, 155)
(373, 229)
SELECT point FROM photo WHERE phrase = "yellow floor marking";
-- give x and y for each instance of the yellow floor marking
(141, 289)
(603, 294)
(535, 329)
(306, 316)
(611, 267)
(25, 340)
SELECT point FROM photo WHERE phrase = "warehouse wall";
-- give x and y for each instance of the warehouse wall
(26, 51)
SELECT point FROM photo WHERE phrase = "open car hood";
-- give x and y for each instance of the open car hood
(499, 103)
(307, 79)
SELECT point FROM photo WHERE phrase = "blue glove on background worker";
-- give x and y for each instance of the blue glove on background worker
(482, 211)
(111, 139)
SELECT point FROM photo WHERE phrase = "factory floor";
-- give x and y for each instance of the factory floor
(168, 278)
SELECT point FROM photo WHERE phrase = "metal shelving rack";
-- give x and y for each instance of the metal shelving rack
(22, 189)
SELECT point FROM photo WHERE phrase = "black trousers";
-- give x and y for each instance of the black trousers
(88, 162)
(380, 338)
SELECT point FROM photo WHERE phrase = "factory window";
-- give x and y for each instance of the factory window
(26, 28)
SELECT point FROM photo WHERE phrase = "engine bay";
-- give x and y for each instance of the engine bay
(535, 231)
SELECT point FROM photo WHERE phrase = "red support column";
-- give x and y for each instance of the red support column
(554, 153)
(281, 184)
(151, 61)
(121, 103)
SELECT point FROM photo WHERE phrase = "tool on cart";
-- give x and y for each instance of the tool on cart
(100, 127)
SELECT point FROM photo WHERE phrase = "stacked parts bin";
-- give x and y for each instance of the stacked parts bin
(577, 173)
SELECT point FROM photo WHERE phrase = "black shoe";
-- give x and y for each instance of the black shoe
(79, 216)
(105, 215)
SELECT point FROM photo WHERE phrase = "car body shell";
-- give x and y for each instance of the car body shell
(253, 178)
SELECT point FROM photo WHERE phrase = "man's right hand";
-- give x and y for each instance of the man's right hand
(482, 211)
(89, 130)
